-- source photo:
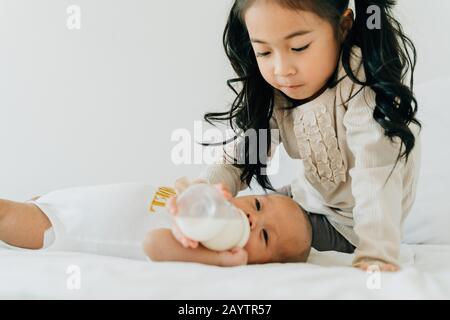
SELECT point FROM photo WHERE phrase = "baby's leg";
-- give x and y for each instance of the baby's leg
(22, 224)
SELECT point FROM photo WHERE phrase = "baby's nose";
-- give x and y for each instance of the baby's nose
(251, 220)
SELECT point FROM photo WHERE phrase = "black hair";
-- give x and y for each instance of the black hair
(386, 60)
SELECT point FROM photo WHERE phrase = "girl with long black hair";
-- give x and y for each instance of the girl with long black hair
(332, 81)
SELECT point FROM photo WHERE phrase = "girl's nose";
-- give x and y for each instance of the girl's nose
(284, 69)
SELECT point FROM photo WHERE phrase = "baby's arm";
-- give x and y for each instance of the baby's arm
(161, 245)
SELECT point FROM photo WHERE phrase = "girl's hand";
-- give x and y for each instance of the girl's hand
(226, 193)
(171, 205)
(233, 258)
(377, 266)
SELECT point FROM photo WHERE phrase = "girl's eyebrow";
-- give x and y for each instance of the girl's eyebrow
(289, 36)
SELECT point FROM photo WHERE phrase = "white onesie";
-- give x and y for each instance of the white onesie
(104, 219)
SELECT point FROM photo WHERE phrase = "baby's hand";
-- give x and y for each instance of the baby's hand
(185, 241)
(377, 266)
(171, 205)
(233, 258)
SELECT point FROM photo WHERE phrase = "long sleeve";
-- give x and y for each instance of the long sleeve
(224, 171)
(377, 212)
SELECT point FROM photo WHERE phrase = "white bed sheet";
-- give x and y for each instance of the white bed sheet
(327, 275)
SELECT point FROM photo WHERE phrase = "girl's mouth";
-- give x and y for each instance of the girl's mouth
(292, 87)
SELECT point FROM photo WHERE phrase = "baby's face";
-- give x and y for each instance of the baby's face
(278, 227)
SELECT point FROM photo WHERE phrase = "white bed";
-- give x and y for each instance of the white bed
(327, 275)
(425, 270)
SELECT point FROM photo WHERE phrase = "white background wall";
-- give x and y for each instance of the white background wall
(98, 105)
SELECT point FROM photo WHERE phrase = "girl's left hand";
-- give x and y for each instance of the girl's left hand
(377, 266)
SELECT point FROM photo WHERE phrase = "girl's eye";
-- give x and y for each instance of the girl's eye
(257, 204)
(266, 236)
(301, 49)
(263, 54)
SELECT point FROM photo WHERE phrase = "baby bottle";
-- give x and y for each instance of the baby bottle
(206, 216)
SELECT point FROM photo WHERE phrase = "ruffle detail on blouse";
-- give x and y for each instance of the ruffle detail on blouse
(316, 136)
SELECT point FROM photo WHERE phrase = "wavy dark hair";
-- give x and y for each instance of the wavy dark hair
(386, 58)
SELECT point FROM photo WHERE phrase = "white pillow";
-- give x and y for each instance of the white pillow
(429, 219)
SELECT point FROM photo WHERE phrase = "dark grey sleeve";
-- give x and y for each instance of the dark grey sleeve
(324, 236)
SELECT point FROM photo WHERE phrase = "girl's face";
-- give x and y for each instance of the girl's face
(296, 51)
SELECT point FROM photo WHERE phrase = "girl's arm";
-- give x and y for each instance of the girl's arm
(161, 245)
(378, 212)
